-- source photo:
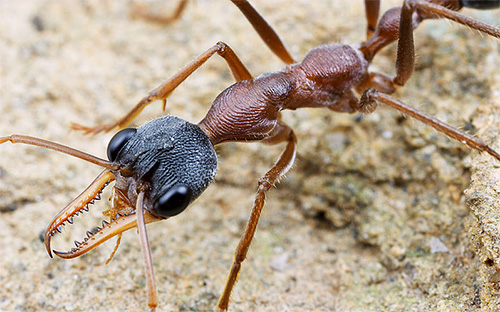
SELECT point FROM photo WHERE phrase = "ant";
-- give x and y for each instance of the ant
(164, 165)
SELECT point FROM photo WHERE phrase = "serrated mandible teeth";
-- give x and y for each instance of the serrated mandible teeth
(77, 206)
(114, 228)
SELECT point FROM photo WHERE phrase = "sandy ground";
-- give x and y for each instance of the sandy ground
(373, 216)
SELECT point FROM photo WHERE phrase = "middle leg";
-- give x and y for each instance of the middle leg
(264, 30)
(405, 62)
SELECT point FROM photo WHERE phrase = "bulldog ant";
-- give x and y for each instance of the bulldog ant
(162, 166)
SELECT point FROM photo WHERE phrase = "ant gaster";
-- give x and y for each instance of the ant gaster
(162, 166)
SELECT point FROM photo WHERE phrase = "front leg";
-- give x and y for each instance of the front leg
(161, 93)
(282, 166)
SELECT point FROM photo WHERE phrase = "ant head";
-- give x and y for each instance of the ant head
(170, 157)
(169, 160)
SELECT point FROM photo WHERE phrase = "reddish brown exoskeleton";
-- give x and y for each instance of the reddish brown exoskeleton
(164, 165)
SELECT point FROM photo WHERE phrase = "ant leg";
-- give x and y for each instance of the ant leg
(15, 138)
(372, 9)
(237, 68)
(388, 28)
(146, 252)
(368, 103)
(265, 31)
(139, 11)
(427, 9)
(282, 165)
(405, 62)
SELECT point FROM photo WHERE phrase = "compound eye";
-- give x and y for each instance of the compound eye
(118, 141)
(174, 201)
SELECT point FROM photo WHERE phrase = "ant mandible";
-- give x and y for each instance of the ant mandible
(162, 166)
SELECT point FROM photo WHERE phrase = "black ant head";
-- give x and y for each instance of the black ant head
(169, 159)
(172, 158)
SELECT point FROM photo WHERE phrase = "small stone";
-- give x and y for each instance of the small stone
(437, 246)
(280, 263)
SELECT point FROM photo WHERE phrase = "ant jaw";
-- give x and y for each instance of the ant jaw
(117, 225)
(78, 205)
(108, 230)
